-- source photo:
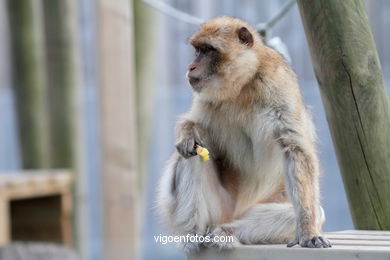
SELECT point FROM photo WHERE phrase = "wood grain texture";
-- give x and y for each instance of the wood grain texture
(118, 129)
(348, 71)
(343, 248)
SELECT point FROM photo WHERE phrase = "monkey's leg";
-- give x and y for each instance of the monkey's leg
(269, 223)
(191, 197)
(272, 223)
(302, 174)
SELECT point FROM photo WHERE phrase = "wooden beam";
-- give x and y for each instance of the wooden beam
(348, 71)
(29, 82)
(118, 129)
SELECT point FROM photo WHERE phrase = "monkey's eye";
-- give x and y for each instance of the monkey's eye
(197, 51)
(204, 49)
(207, 48)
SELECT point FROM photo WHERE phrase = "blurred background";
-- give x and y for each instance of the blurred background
(89, 95)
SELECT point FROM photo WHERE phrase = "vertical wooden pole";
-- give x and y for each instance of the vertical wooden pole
(28, 69)
(5, 65)
(60, 75)
(357, 107)
(145, 26)
(118, 129)
(145, 21)
(66, 109)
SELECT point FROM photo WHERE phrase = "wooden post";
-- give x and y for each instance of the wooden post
(60, 75)
(348, 71)
(145, 26)
(118, 129)
(28, 69)
(66, 110)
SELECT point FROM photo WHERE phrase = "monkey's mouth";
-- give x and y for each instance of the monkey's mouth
(194, 80)
(195, 83)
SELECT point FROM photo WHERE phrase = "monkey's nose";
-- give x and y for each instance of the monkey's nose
(192, 67)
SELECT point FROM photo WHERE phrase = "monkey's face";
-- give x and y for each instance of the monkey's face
(225, 58)
(205, 66)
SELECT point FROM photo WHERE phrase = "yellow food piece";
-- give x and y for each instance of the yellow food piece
(203, 153)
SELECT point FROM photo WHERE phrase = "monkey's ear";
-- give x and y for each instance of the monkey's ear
(245, 36)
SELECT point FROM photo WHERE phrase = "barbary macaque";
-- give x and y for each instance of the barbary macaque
(261, 182)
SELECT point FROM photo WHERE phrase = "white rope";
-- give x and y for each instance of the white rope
(173, 12)
(195, 20)
(277, 17)
(263, 28)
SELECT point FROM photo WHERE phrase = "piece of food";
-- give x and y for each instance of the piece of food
(203, 153)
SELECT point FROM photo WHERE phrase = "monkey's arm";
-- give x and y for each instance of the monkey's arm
(302, 174)
(189, 135)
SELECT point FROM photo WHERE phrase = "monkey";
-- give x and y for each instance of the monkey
(261, 184)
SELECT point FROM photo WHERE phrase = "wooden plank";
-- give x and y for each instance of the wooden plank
(348, 71)
(34, 183)
(359, 242)
(358, 237)
(283, 247)
(281, 252)
(343, 248)
(118, 129)
(364, 232)
(37, 251)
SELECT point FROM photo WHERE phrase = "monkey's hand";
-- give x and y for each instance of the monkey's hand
(314, 242)
(190, 136)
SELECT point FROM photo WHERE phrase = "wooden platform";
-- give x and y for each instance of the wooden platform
(348, 244)
(37, 251)
(36, 206)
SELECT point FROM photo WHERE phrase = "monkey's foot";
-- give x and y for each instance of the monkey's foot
(314, 242)
(190, 247)
(220, 238)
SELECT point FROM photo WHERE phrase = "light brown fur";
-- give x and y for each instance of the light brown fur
(263, 166)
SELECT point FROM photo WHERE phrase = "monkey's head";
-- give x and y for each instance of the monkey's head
(227, 57)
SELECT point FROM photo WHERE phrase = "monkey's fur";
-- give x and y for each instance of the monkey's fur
(261, 183)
